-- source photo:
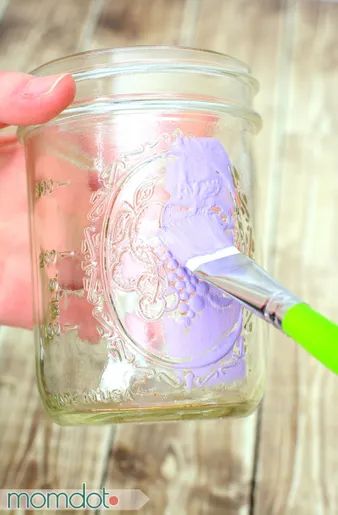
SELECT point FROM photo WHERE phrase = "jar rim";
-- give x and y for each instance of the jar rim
(143, 54)
(140, 60)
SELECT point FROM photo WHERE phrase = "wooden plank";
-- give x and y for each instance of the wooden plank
(186, 467)
(298, 457)
(3, 7)
(135, 22)
(183, 464)
(201, 467)
(201, 463)
(167, 461)
(252, 32)
(34, 452)
(40, 31)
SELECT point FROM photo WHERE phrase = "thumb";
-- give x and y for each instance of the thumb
(26, 100)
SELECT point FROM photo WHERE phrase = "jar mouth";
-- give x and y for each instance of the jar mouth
(92, 60)
(200, 79)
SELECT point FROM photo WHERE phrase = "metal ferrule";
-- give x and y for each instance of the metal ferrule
(245, 281)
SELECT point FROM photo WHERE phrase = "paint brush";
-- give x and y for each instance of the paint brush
(197, 227)
(244, 280)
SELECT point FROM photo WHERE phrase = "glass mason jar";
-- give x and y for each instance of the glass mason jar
(157, 139)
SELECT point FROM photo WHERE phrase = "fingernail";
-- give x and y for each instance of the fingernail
(41, 85)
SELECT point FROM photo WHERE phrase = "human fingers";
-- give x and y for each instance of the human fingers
(26, 100)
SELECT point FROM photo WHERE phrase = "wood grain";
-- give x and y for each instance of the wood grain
(135, 22)
(34, 452)
(40, 31)
(298, 457)
(253, 32)
(174, 464)
(186, 467)
(211, 467)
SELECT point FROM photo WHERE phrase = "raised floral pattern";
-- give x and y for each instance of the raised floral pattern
(134, 283)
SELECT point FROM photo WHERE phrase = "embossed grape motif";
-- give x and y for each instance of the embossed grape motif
(151, 310)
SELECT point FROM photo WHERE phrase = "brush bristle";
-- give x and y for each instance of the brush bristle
(195, 262)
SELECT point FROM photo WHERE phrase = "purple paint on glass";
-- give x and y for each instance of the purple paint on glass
(184, 295)
(199, 181)
(199, 219)
(190, 288)
(197, 303)
(179, 285)
(202, 288)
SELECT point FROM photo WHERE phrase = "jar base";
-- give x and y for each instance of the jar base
(108, 415)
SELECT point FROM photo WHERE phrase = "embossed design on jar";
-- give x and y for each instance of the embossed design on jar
(47, 186)
(51, 327)
(244, 239)
(136, 299)
(132, 263)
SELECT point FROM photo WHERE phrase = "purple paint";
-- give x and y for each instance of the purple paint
(199, 219)
(197, 303)
(201, 325)
(199, 181)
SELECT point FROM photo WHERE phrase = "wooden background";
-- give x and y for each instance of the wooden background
(283, 460)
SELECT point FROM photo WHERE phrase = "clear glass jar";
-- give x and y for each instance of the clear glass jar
(157, 138)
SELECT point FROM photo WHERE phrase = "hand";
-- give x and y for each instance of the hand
(24, 100)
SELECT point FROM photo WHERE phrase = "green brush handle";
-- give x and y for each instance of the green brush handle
(317, 334)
